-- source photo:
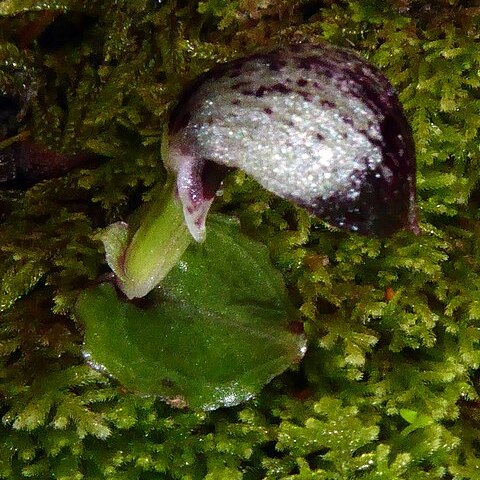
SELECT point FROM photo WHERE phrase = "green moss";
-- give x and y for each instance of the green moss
(388, 388)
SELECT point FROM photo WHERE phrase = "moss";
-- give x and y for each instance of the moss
(389, 385)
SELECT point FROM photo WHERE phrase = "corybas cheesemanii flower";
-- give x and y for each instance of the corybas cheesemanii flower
(313, 123)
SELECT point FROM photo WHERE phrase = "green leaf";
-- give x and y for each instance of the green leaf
(415, 420)
(14, 7)
(409, 415)
(220, 326)
(141, 263)
(115, 240)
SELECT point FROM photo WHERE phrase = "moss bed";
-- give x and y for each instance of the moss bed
(388, 388)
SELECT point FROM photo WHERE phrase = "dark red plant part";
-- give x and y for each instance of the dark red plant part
(389, 294)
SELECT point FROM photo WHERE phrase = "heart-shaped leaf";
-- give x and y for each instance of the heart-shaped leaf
(219, 328)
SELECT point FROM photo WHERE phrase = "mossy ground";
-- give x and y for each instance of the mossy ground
(389, 386)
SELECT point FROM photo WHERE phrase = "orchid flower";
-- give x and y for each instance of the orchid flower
(313, 123)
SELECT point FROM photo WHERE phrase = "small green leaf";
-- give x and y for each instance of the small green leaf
(415, 420)
(409, 415)
(141, 262)
(220, 326)
(14, 7)
(115, 241)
